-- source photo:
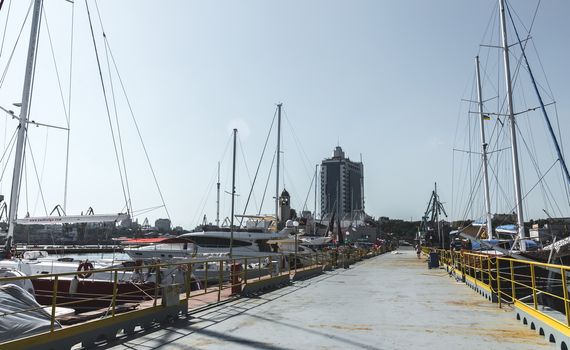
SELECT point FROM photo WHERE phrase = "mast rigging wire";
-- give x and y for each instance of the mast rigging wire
(204, 198)
(267, 182)
(55, 63)
(309, 192)
(66, 109)
(299, 146)
(257, 170)
(247, 171)
(545, 187)
(137, 127)
(549, 125)
(115, 112)
(106, 104)
(203, 201)
(12, 142)
(45, 148)
(5, 25)
(37, 178)
(15, 45)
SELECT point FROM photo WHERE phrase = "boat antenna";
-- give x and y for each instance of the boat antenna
(484, 152)
(514, 149)
(23, 126)
(233, 195)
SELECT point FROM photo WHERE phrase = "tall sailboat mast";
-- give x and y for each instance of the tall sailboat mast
(233, 195)
(514, 149)
(316, 179)
(278, 161)
(218, 198)
(23, 127)
(484, 154)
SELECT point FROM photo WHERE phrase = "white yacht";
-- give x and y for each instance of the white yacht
(209, 243)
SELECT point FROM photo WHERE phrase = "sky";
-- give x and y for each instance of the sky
(382, 79)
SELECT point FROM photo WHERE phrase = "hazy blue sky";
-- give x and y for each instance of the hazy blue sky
(383, 79)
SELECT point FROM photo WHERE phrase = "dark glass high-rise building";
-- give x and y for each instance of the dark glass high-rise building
(342, 185)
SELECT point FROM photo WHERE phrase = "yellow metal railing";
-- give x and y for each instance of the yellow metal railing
(221, 279)
(534, 284)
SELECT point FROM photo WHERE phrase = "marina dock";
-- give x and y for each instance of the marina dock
(391, 301)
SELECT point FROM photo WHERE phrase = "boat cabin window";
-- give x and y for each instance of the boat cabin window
(218, 242)
(263, 245)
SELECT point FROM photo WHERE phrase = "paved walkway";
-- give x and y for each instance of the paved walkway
(389, 302)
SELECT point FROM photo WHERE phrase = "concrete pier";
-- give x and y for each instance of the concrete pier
(388, 302)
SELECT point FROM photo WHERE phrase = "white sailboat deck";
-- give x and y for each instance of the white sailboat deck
(391, 301)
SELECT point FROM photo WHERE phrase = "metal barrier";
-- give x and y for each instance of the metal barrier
(169, 291)
(537, 291)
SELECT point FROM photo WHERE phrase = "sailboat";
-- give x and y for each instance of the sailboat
(521, 246)
(206, 247)
(89, 288)
(233, 242)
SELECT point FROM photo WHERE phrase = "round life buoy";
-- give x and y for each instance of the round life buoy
(86, 267)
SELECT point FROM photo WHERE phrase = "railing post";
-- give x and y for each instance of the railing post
(114, 298)
(489, 279)
(513, 294)
(221, 279)
(533, 283)
(497, 263)
(295, 262)
(462, 260)
(259, 268)
(474, 265)
(475, 268)
(245, 271)
(206, 277)
(188, 280)
(289, 270)
(457, 260)
(157, 282)
(53, 303)
(565, 291)
(481, 270)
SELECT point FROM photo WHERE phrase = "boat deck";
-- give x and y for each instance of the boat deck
(391, 301)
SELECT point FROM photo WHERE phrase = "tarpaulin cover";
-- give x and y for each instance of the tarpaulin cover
(20, 314)
(509, 227)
